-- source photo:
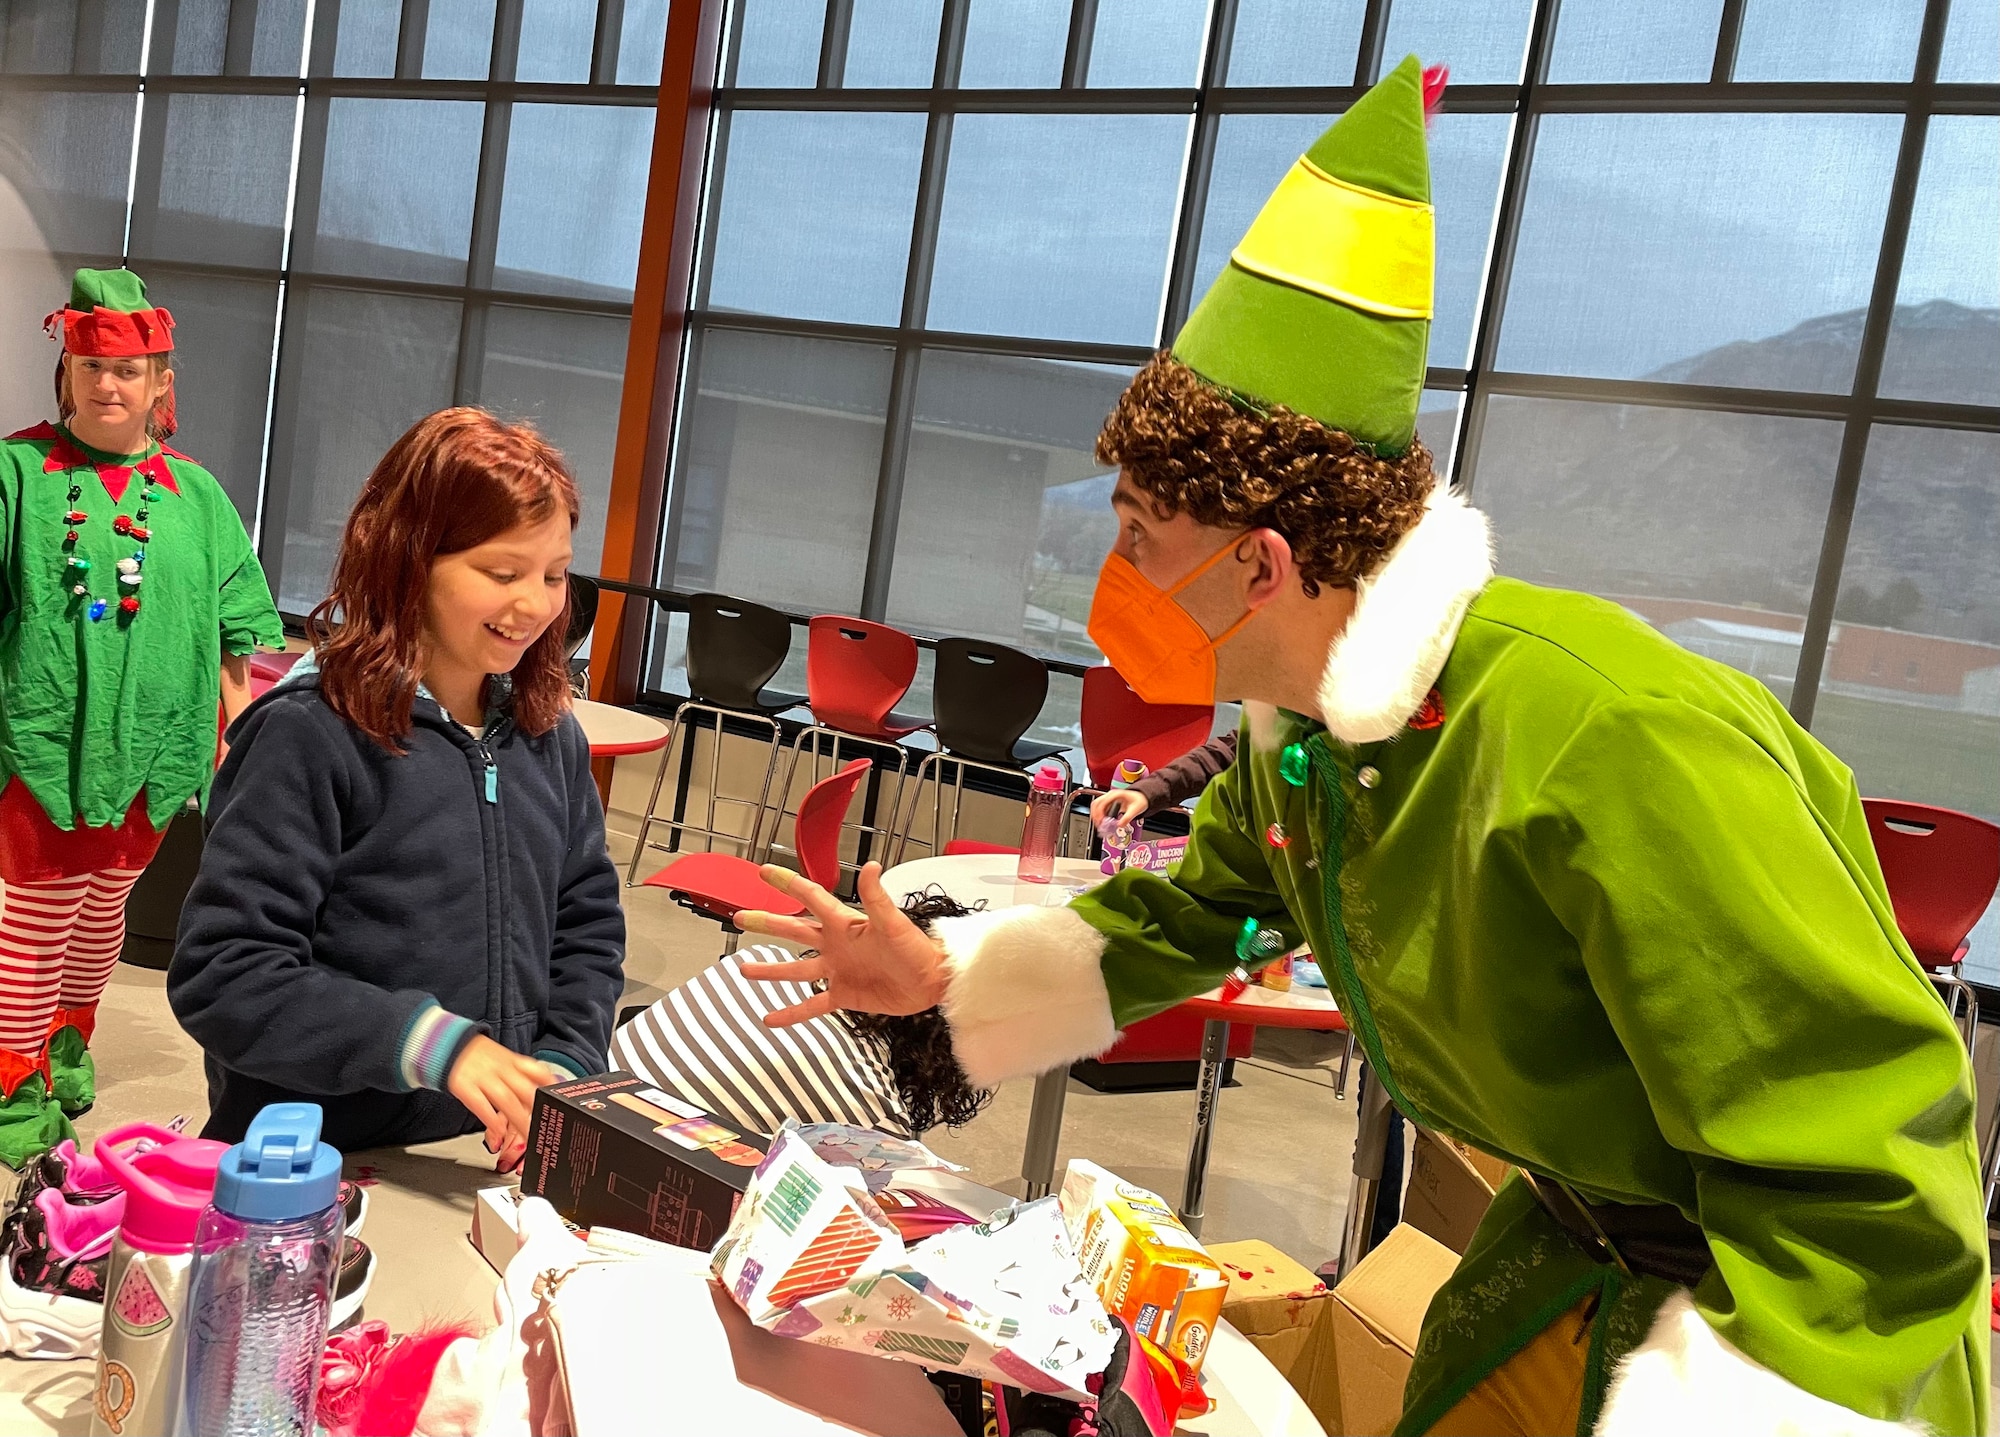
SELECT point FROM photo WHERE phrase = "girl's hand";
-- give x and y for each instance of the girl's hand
(498, 1087)
(874, 961)
(1124, 805)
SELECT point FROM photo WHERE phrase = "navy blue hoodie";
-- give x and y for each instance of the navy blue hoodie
(344, 888)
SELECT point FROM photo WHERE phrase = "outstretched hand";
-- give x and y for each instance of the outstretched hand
(874, 960)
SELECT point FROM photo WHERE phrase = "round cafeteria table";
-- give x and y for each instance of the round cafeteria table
(614, 732)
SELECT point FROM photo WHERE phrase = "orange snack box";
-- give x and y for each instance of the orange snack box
(1146, 1267)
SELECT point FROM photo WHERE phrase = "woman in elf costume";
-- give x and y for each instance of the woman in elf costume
(1593, 904)
(129, 602)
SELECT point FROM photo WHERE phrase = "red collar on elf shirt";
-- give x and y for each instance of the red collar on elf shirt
(115, 477)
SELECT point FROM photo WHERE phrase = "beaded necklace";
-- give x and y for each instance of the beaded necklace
(76, 568)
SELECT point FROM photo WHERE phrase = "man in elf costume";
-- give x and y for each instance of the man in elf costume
(1593, 904)
(127, 588)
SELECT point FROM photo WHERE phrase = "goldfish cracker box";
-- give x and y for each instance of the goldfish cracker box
(1147, 1268)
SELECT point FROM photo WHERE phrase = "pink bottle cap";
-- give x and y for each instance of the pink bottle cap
(166, 1185)
(1048, 779)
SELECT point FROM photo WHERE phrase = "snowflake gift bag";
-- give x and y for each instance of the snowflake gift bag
(812, 1255)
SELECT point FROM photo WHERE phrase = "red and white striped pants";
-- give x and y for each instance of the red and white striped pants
(58, 942)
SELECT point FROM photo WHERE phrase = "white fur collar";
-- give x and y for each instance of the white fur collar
(1406, 618)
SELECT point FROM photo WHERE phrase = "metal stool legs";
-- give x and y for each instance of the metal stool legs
(812, 734)
(933, 764)
(680, 729)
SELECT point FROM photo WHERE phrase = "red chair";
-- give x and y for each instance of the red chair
(721, 885)
(856, 673)
(1942, 868)
(1118, 724)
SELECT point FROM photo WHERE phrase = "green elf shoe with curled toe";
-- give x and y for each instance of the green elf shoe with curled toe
(74, 1072)
(31, 1121)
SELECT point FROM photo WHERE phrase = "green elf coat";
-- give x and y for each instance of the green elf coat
(91, 713)
(1616, 919)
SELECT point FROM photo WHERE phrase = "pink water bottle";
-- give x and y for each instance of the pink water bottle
(168, 1180)
(1041, 826)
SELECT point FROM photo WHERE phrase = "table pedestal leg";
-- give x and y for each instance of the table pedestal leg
(1371, 1142)
(1038, 1160)
(1207, 1088)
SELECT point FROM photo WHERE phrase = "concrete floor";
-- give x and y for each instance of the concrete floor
(1278, 1166)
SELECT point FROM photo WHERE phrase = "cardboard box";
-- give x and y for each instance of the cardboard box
(496, 1225)
(1378, 1311)
(1451, 1186)
(1287, 1314)
(614, 1151)
(1148, 1268)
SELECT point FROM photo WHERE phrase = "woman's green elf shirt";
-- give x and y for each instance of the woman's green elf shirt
(92, 712)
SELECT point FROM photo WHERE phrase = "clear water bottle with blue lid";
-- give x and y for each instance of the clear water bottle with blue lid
(261, 1288)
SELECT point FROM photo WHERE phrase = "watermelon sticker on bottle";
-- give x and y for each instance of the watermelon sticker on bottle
(137, 1309)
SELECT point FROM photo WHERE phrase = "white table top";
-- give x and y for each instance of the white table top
(1312, 1000)
(972, 877)
(612, 730)
(1251, 1396)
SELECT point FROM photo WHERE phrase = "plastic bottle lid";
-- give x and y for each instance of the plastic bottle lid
(1130, 771)
(1048, 779)
(281, 1169)
(166, 1185)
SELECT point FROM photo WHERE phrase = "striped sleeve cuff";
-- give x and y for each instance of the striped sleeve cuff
(564, 1065)
(430, 1046)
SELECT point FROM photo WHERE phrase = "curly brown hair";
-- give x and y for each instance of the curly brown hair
(1195, 448)
(928, 1079)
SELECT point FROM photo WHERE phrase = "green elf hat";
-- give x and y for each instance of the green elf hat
(109, 314)
(1325, 306)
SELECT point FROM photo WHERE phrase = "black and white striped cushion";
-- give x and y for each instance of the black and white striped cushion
(705, 1042)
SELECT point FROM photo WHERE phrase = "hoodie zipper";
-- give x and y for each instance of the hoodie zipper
(492, 771)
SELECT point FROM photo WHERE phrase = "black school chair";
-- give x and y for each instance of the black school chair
(734, 647)
(582, 619)
(985, 697)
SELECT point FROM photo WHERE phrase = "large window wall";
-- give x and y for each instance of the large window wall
(358, 211)
(1718, 328)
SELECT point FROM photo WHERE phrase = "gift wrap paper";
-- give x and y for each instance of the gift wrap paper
(810, 1255)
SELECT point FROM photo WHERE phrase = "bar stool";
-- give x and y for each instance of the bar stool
(985, 696)
(856, 673)
(734, 647)
(583, 595)
(1942, 868)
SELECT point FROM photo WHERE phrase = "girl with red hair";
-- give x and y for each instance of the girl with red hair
(405, 910)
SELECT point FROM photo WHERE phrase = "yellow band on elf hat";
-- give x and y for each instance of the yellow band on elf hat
(1344, 241)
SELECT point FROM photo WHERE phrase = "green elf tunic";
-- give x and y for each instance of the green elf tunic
(1617, 920)
(94, 712)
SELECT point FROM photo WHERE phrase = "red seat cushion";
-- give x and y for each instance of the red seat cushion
(957, 846)
(723, 883)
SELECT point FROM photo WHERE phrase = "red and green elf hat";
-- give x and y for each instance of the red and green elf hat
(1325, 306)
(108, 314)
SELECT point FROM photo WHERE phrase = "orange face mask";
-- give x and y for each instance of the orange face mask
(1155, 644)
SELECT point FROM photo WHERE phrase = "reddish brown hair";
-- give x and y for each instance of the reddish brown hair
(455, 480)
